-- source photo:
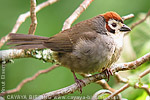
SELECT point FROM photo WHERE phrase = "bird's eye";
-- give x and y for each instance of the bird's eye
(114, 24)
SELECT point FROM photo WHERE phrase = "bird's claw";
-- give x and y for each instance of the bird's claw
(108, 72)
(80, 83)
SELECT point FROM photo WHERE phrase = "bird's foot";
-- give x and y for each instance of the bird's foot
(79, 82)
(108, 72)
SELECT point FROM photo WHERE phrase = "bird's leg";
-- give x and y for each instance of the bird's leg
(78, 81)
(108, 72)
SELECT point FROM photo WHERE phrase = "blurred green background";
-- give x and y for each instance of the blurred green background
(50, 22)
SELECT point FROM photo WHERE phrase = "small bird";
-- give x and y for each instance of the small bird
(89, 46)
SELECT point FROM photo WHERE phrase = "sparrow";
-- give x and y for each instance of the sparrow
(89, 46)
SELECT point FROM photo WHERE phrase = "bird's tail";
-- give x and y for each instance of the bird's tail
(24, 41)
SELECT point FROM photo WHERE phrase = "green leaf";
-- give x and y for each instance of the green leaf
(140, 84)
(143, 96)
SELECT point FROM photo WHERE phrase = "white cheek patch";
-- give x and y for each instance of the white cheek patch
(111, 21)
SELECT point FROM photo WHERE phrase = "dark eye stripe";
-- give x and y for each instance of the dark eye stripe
(109, 29)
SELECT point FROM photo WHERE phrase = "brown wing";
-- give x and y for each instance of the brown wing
(64, 42)
(59, 42)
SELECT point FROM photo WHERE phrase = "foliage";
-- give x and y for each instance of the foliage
(140, 40)
(50, 21)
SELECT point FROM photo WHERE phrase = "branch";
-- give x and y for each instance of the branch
(28, 80)
(144, 73)
(117, 92)
(130, 65)
(105, 85)
(119, 78)
(6, 55)
(140, 21)
(128, 16)
(127, 85)
(3, 40)
(72, 88)
(124, 80)
(33, 17)
(144, 86)
(23, 17)
(42, 54)
(76, 14)
(102, 82)
(136, 23)
(10, 52)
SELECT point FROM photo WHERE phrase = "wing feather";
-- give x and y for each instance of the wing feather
(65, 42)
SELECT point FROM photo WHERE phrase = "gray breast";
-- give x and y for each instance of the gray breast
(93, 56)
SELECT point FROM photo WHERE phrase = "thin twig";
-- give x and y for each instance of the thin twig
(144, 86)
(117, 91)
(120, 79)
(128, 16)
(94, 78)
(127, 85)
(72, 88)
(105, 85)
(28, 80)
(130, 65)
(102, 82)
(33, 17)
(76, 14)
(3, 40)
(140, 21)
(115, 68)
(144, 73)
(23, 17)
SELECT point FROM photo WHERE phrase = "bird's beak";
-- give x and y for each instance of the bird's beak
(125, 28)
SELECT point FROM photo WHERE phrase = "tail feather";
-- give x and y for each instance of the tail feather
(32, 46)
(25, 37)
(23, 41)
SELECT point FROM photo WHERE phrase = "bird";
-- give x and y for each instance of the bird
(89, 46)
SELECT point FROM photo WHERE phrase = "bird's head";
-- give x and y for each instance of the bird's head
(114, 23)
